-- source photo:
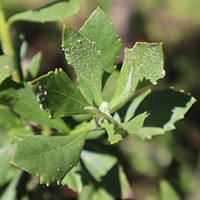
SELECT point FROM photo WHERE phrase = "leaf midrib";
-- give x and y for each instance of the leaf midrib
(59, 148)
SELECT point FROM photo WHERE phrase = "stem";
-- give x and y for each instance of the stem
(101, 115)
(7, 45)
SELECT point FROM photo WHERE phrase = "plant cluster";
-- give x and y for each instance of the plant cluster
(36, 110)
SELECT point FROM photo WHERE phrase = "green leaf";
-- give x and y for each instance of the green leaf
(84, 56)
(56, 11)
(115, 183)
(7, 170)
(50, 157)
(167, 192)
(34, 66)
(143, 65)
(135, 124)
(73, 179)
(93, 193)
(110, 86)
(22, 100)
(97, 164)
(100, 30)
(58, 95)
(11, 189)
(7, 66)
(11, 124)
(115, 133)
(163, 109)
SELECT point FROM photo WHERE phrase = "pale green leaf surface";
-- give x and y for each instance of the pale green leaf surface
(11, 124)
(110, 86)
(143, 65)
(167, 191)
(50, 157)
(55, 11)
(83, 55)
(100, 30)
(115, 133)
(113, 185)
(73, 179)
(7, 170)
(22, 100)
(163, 107)
(135, 124)
(11, 192)
(58, 95)
(97, 164)
(101, 193)
(34, 66)
(7, 66)
(93, 193)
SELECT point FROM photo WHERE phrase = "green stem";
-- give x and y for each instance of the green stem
(7, 45)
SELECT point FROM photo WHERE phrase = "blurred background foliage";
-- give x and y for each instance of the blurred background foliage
(174, 156)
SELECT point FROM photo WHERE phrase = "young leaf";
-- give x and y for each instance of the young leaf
(143, 65)
(22, 100)
(163, 108)
(55, 11)
(100, 30)
(50, 157)
(115, 133)
(135, 124)
(83, 55)
(58, 95)
(7, 66)
(97, 164)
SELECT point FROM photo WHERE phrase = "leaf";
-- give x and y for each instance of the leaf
(115, 183)
(7, 170)
(7, 66)
(22, 100)
(115, 133)
(97, 164)
(73, 179)
(58, 95)
(163, 109)
(50, 157)
(93, 193)
(11, 124)
(100, 30)
(83, 55)
(110, 86)
(34, 66)
(135, 124)
(167, 192)
(11, 192)
(143, 65)
(56, 11)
